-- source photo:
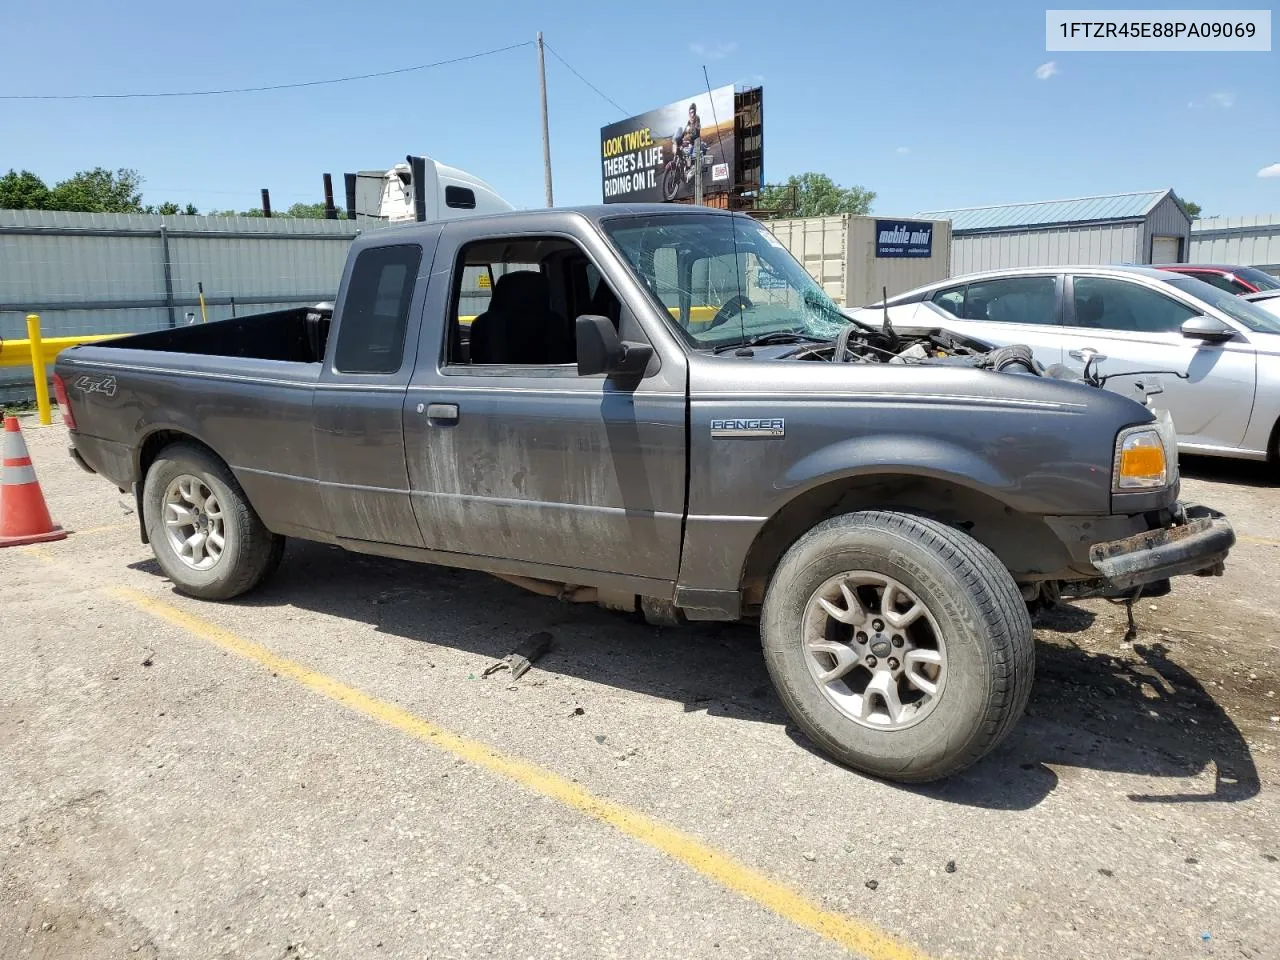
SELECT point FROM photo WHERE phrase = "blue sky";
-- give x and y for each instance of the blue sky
(930, 105)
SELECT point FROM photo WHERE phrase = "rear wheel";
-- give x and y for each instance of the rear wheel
(203, 531)
(900, 645)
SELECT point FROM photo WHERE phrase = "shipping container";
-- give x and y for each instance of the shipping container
(855, 258)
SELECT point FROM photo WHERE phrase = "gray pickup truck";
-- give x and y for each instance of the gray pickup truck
(658, 410)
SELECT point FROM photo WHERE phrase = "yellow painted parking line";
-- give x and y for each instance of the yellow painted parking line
(1265, 541)
(103, 529)
(851, 934)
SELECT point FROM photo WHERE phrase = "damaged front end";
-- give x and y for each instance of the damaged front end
(932, 346)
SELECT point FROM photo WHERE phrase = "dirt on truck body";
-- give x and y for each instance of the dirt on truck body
(660, 410)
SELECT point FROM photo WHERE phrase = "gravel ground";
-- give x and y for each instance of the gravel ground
(164, 797)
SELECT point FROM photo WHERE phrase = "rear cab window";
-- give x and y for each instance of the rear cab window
(375, 313)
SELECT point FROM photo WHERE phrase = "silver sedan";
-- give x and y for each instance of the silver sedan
(1216, 356)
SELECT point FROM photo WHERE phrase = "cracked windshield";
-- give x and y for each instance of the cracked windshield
(726, 280)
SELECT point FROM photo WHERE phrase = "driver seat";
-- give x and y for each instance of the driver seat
(520, 327)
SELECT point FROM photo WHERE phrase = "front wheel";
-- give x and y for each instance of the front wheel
(203, 531)
(900, 645)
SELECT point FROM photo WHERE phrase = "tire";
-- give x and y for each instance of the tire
(671, 180)
(249, 553)
(972, 642)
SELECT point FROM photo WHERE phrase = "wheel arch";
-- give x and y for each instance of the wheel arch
(149, 449)
(1023, 543)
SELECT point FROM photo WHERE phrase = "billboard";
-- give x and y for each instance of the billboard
(638, 158)
(904, 238)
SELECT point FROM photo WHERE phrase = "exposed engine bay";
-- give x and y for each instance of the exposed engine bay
(860, 344)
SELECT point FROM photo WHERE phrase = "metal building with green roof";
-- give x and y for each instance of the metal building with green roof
(1146, 227)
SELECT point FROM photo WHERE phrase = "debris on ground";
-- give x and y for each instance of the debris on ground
(519, 660)
(951, 866)
(872, 884)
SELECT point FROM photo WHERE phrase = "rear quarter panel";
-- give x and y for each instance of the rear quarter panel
(254, 414)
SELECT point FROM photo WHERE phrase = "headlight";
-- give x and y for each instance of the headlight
(1141, 462)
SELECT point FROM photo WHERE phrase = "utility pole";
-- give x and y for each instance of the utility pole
(697, 178)
(546, 132)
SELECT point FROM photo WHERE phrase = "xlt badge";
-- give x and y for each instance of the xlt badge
(745, 429)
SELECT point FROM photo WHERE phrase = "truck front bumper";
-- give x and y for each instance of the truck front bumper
(1197, 543)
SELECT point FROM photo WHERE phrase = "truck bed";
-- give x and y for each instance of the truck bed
(296, 335)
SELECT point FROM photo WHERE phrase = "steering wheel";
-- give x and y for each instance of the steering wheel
(735, 304)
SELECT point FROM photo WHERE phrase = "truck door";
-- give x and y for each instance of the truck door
(512, 455)
(359, 399)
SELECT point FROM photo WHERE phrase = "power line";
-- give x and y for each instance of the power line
(276, 86)
(585, 80)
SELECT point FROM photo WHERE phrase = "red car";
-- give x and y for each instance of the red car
(1237, 280)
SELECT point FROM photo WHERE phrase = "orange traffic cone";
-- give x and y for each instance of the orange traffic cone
(24, 518)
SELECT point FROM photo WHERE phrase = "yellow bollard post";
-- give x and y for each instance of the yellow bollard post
(37, 369)
(204, 315)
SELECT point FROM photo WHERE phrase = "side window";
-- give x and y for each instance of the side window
(1013, 300)
(951, 300)
(375, 314)
(1224, 283)
(504, 308)
(1106, 303)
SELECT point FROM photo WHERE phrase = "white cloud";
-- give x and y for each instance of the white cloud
(1046, 70)
(1271, 171)
(1224, 101)
(712, 51)
(902, 150)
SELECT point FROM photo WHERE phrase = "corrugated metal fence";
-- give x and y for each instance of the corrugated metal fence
(1250, 241)
(107, 273)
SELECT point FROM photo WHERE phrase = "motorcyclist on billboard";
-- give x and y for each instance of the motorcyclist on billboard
(689, 138)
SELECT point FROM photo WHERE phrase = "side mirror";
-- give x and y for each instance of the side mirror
(601, 350)
(1207, 329)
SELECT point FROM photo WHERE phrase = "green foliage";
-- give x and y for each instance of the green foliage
(89, 191)
(1192, 208)
(22, 191)
(815, 195)
(169, 209)
(303, 211)
(98, 191)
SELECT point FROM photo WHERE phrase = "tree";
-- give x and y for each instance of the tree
(816, 195)
(98, 191)
(302, 211)
(310, 211)
(1192, 208)
(169, 209)
(22, 191)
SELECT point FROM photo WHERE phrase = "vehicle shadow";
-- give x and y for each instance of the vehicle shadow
(1088, 710)
(1096, 711)
(1245, 473)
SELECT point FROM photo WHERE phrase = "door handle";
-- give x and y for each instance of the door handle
(442, 412)
(1085, 354)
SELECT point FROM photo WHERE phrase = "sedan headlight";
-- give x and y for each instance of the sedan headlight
(1141, 460)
